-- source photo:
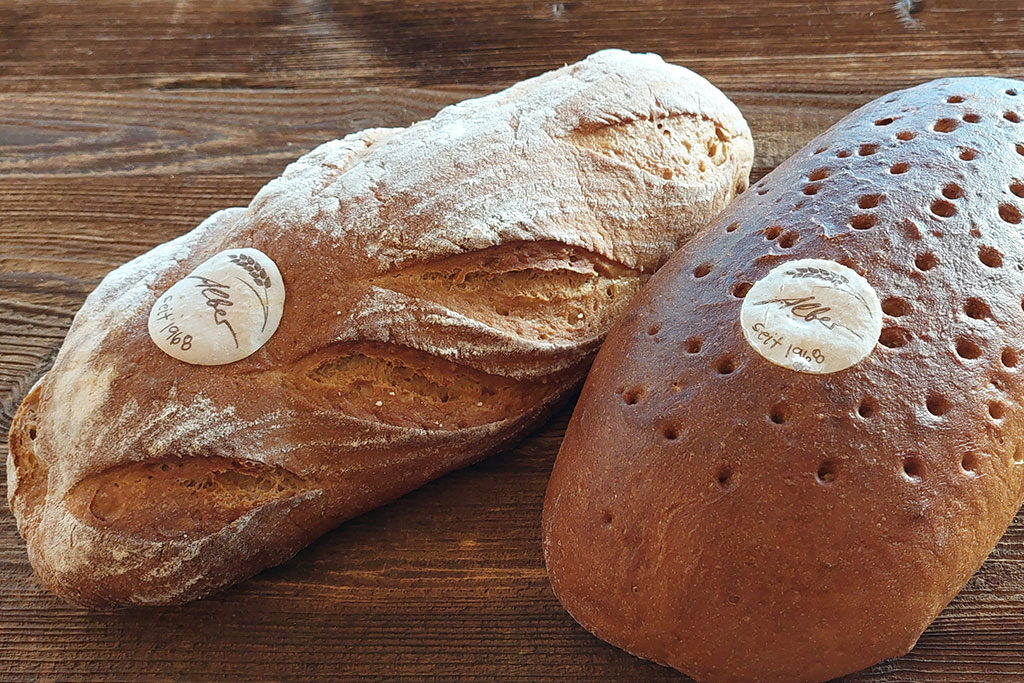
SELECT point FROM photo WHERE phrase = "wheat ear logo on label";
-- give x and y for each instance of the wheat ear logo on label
(221, 312)
(812, 315)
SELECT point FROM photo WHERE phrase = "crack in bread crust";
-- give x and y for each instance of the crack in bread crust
(546, 291)
(382, 383)
(177, 497)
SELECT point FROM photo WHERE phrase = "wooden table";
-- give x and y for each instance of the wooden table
(123, 124)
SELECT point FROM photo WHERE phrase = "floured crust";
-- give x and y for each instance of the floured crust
(447, 285)
(765, 524)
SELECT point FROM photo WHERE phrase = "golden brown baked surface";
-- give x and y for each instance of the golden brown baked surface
(741, 521)
(447, 285)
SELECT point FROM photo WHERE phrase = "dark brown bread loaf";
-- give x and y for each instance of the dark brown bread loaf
(742, 521)
(446, 286)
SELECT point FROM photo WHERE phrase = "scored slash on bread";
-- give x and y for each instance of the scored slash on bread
(447, 285)
(741, 521)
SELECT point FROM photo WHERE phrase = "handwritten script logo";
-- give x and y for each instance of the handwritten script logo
(807, 308)
(218, 297)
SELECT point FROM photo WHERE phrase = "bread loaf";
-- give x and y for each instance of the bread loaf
(805, 434)
(441, 288)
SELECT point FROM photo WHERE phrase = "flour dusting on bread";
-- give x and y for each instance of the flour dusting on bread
(447, 285)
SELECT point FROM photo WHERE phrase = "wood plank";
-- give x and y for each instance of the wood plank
(240, 132)
(844, 46)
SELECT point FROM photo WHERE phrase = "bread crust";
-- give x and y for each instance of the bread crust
(745, 522)
(447, 285)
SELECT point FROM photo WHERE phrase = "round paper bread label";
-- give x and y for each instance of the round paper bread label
(812, 315)
(221, 312)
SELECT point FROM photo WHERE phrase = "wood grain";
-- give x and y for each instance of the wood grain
(123, 124)
(780, 46)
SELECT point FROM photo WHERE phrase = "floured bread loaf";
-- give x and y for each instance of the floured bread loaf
(398, 304)
(805, 434)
